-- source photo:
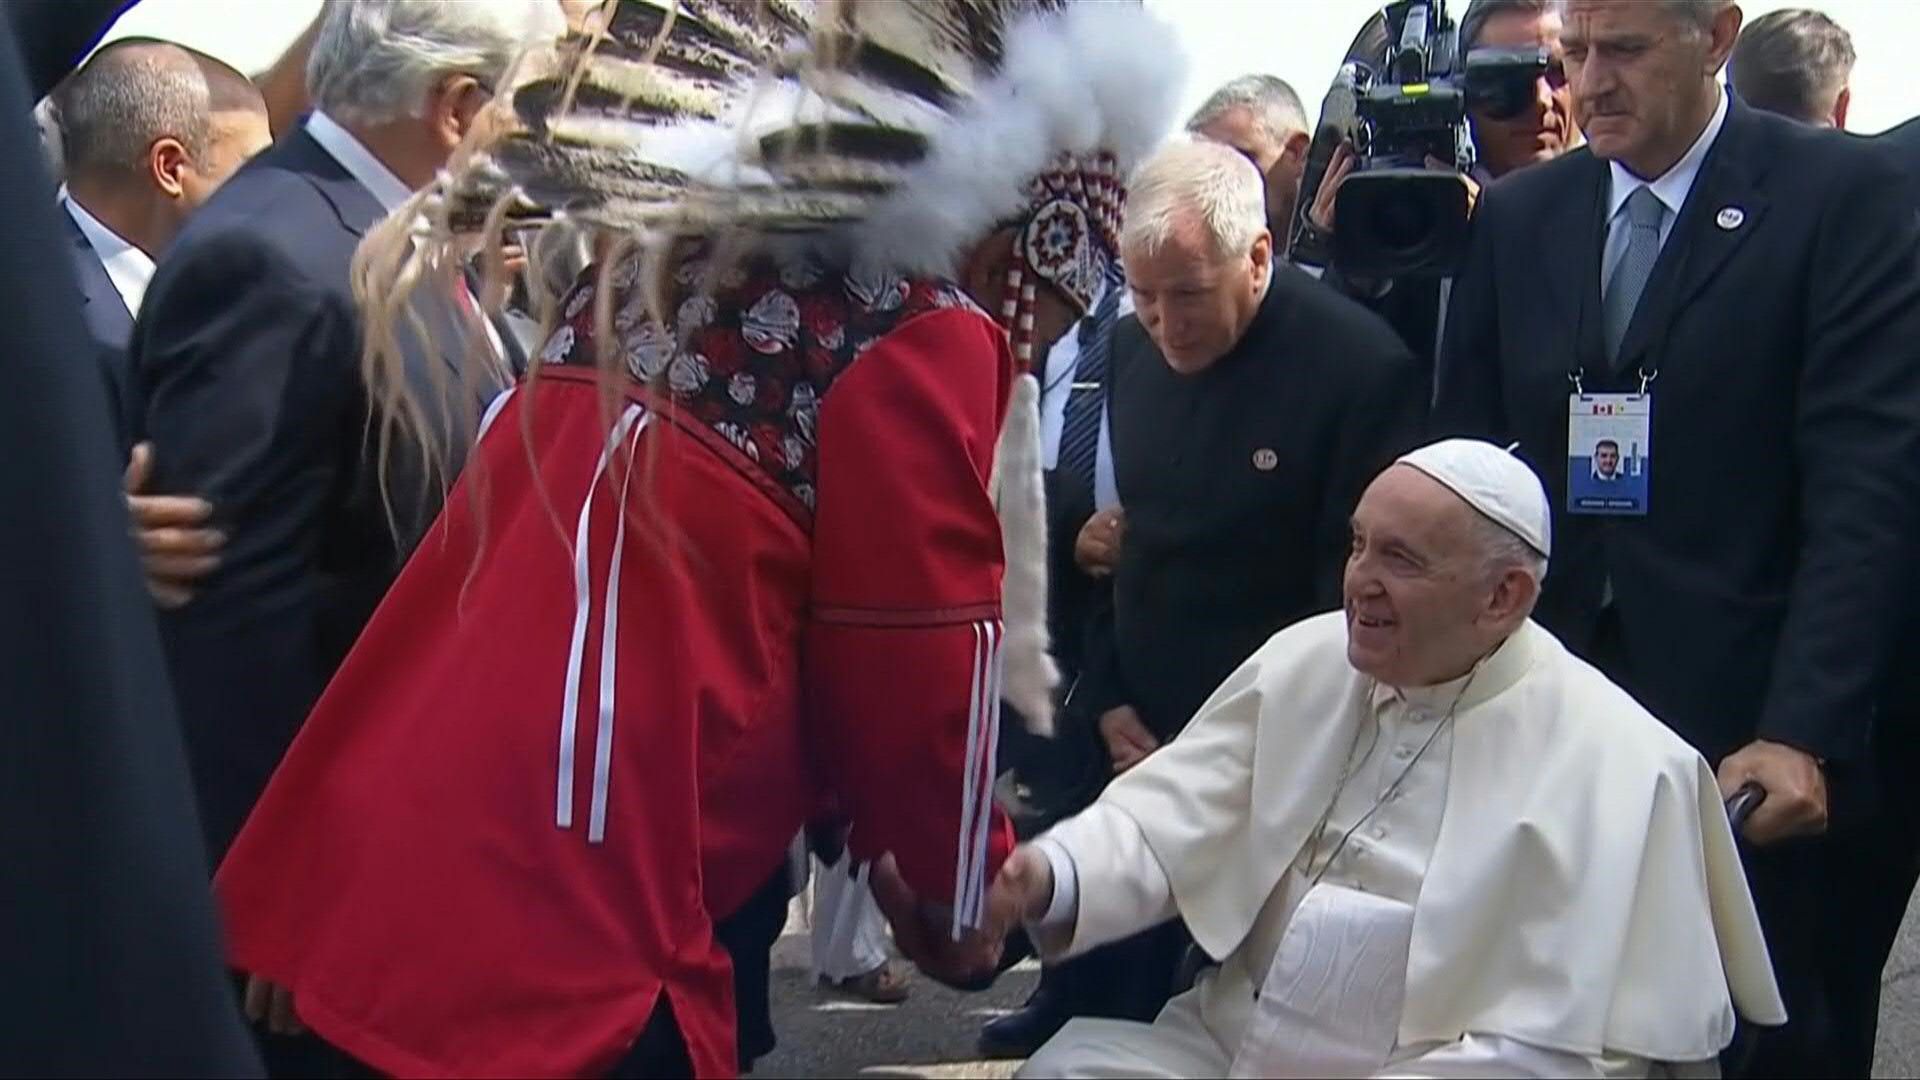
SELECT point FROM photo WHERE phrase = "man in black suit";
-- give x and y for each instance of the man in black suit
(1759, 280)
(1903, 145)
(1249, 405)
(248, 351)
(149, 130)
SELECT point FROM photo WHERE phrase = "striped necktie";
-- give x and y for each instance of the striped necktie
(1080, 430)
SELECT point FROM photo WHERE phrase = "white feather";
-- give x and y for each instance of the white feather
(1094, 76)
(1030, 672)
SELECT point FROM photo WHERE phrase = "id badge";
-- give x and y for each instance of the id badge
(1609, 453)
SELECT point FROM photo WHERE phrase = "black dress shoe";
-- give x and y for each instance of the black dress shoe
(1023, 1031)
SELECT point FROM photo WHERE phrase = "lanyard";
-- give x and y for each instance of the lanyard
(1647, 375)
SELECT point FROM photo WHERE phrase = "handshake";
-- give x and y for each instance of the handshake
(1019, 894)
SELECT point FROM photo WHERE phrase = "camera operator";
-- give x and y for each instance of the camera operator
(1530, 121)
(1541, 130)
(1544, 127)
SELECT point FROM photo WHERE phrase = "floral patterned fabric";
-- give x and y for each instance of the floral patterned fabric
(759, 346)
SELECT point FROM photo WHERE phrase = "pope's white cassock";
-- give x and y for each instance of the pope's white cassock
(1544, 885)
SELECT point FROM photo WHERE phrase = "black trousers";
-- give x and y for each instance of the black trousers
(1830, 906)
(1131, 979)
(748, 936)
(660, 1051)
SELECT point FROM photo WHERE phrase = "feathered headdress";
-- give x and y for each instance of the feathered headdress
(896, 134)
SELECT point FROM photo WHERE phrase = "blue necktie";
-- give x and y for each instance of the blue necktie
(1080, 431)
(1645, 214)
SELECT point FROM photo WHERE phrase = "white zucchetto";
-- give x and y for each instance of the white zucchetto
(1492, 481)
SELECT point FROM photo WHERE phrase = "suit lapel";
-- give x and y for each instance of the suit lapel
(91, 271)
(1574, 266)
(1701, 241)
(358, 212)
(355, 206)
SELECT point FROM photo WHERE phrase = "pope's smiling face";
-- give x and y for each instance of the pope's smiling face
(1418, 595)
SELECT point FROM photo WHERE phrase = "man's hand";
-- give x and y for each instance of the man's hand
(176, 549)
(1097, 548)
(924, 932)
(268, 1003)
(1472, 185)
(1128, 740)
(1796, 787)
(1338, 167)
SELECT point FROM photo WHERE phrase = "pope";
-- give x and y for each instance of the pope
(1420, 835)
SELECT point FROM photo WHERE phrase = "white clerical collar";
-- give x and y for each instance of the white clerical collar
(1671, 187)
(1492, 677)
(129, 268)
(353, 156)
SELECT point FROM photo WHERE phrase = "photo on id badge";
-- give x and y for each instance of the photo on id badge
(1609, 453)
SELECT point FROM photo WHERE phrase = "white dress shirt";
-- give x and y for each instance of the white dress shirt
(1671, 188)
(129, 268)
(1062, 359)
(387, 189)
(1393, 835)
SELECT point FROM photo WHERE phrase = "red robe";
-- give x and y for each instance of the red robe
(571, 739)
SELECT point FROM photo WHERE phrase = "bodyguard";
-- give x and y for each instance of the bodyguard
(1744, 303)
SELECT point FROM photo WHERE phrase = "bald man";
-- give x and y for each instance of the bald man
(148, 130)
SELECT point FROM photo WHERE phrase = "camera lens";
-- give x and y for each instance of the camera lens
(1402, 225)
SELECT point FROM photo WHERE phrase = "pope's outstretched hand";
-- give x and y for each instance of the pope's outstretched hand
(924, 932)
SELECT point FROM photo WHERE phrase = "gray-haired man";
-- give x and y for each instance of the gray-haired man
(247, 351)
(1795, 62)
(1746, 599)
(1261, 116)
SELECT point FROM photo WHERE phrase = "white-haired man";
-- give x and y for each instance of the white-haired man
(1261, 117)
(247, 351)
(1423, 838)
(1248, 406)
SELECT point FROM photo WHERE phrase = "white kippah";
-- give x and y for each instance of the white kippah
(1493, 482)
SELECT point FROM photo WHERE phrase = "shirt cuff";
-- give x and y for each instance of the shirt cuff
(1064, 908)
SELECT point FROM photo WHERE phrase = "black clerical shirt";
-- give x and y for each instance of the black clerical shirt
(1238, 484)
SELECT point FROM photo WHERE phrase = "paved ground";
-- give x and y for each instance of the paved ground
(1899, 1051)
(932, 1034)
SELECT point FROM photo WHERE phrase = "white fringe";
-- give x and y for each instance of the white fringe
(1021, 498)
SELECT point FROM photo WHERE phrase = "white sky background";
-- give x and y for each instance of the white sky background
(1298, 40)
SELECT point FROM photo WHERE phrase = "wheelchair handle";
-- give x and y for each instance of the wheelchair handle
(1741, 804)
